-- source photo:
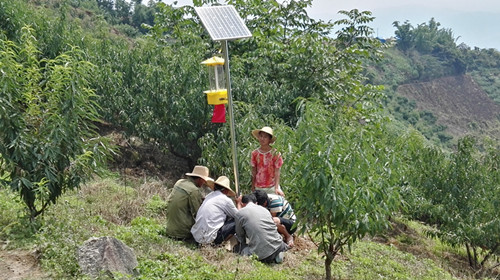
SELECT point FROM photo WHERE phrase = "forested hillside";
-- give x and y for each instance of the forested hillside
(442, 89)
(372, 132)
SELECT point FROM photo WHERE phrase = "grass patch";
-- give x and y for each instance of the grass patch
(134, 214)
(16, 231)
(371, 260)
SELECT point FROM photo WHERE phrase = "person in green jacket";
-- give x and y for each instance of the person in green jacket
(184, 201)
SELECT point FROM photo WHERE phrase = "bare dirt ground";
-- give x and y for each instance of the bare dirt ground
(19, 264)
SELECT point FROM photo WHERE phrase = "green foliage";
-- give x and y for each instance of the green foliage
(473, 196)
(287, 56)
(484, 66)
(456, 193)
(154, 89)
(171, 266)
(428, 38)
(342, 185)
(47, 113)
(143, 16)
(52, 28)
(141, 232)
(14, 225)
(13, 16)
(60, 238)
(100, 208)
(156, 205)
(68, 224)
(392, 70)
(405, 110)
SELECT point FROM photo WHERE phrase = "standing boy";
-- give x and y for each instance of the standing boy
(266, 163)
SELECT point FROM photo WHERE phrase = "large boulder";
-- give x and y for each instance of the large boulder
(106, 256)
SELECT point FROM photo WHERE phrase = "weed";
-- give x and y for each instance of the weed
(15, 224)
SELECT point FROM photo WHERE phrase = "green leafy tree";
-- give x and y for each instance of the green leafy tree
(122, 10)
(106, 5)
(142, 14)
(154, 88)
(286, 57)
(48, 143)
(404, 35)
(53, 27)
(430, 39)
(467, 213)
(340, 179)
(333, 144)
(458, 193)
(13, 15)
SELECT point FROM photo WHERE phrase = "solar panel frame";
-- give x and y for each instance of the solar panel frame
(223, 22)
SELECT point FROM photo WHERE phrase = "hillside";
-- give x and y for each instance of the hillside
(458, 103)
(132, 209)
(150, 94)
(129, 204)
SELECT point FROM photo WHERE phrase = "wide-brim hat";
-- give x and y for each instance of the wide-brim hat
(224, 182)
(265, 129)
(202, 172)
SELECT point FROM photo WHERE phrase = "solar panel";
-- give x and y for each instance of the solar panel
(223, 22)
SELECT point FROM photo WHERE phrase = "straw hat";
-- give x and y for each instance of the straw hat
(202, 172)
(265, 129)
(223, 181)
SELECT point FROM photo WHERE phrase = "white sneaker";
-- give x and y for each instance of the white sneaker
(279, 257)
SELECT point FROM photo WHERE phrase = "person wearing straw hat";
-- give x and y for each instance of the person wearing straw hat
(215, 219)
(266, 163)
(184, 201)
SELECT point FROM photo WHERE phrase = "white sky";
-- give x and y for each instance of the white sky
(474, 22)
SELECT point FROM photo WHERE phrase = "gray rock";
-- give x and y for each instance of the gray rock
(106, 256)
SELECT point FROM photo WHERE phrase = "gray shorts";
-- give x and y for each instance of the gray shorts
(270, 190)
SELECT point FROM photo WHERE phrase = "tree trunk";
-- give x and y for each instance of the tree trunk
(469, 254)
(328, 267)
(476, 263)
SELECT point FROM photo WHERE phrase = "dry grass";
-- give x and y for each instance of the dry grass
(120, 204)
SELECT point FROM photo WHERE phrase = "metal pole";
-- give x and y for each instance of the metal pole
(231, 117)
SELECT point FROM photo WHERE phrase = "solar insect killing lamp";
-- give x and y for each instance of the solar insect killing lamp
(223, 23)
(218, 93)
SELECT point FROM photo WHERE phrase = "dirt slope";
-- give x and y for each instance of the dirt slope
(458, 103)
